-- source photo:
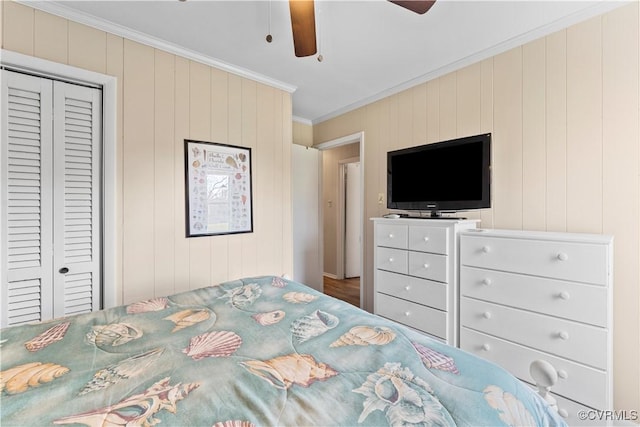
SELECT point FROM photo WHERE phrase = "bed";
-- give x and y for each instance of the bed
(262, 351)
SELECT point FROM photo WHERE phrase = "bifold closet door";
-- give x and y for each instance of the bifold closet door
(50, 192)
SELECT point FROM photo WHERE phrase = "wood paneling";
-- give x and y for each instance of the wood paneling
(447, 103)
(584, 127)
(50, 38)
(18, 28)
(621, 184)
(164, 175)
(534, 154)
(138, 170)
(507, 139)
(87, 47)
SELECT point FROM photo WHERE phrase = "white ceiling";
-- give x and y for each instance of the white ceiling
(370, 48)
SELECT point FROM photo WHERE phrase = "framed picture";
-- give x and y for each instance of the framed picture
(217, 189)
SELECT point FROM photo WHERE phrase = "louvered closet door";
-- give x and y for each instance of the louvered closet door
(76, 206)
(26, 210)
(50, 193)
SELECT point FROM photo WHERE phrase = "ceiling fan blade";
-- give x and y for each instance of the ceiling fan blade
(417, 6)
(303, 24)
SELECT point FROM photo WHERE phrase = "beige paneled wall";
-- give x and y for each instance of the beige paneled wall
(302, 134)
(564, 112)
(163, 99)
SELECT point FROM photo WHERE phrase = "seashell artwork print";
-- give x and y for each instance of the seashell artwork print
(213, 344)
(154, 304)
(48, 337)
(511, 411)
(299, 297)
(313, 325)
(185, 318)
(278, 282)
(122, 370)
(435, 360)
(403, 398)
(137, 410)
(284, 371)
(269, 318)
(242, 296)
(18, 379)
(366, 335)
(113, 334)
(234, 423)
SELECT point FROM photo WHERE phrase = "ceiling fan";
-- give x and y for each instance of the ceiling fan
(303, 22)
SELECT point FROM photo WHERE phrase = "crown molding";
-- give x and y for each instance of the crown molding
(597, 9)
(302, 120)
(66, 12)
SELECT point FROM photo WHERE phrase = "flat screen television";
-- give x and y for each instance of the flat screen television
(441, 177)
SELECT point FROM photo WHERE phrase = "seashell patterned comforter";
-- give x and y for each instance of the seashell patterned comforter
(253, 352)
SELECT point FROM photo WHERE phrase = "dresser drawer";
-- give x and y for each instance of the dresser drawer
(575, 381)
(578, 262)
(573, 301)
(429, 239)
(429, 266)
(422, 291)
(576, 341)
(417, 316)
(392, 260)
(392, 235)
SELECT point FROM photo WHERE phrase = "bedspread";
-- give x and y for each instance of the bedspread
(260, 351)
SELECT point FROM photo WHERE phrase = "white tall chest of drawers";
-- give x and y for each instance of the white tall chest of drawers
(416, 273)
(528, 296)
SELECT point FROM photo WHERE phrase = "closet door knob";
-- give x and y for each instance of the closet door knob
(486, 249)
(63, 270)
(563, 335)
(486, 347)
(486, 315)
(562, 256)
(564, 295)
(486, 281)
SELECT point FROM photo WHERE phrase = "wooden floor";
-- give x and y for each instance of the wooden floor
(347, 290)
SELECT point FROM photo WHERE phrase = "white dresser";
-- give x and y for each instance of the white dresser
(416, 273)
(538, 295)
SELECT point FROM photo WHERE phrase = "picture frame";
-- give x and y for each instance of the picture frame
(218, 189)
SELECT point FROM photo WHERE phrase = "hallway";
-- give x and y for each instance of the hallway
(347, 290)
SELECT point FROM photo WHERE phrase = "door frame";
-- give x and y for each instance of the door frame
(357, 137)
(111, 234)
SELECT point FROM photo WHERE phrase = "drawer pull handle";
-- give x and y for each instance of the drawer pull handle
(391, 235)
(486, 249)
(563, 335)
(562, 256)
(426, 265)
(563, 413)
(564, 295)
(486, 281)
(390, 259)
(407, 288)
(426, 238)
(486, 347)
(486, 315)
(407, 313)
(563, 374)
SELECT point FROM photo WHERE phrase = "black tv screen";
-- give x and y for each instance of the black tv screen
(444, 176)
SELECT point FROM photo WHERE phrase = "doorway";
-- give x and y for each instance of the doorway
(343, 256)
